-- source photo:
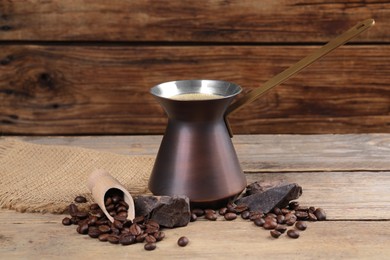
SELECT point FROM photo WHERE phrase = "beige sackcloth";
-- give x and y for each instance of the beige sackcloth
(47, 178)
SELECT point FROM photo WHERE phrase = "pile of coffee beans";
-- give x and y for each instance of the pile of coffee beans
(292, 219)
(95, 224)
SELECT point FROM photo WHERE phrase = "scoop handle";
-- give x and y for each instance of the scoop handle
(300, 65)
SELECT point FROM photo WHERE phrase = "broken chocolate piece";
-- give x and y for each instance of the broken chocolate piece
(278, 196)
(165, 210)
(258, 187)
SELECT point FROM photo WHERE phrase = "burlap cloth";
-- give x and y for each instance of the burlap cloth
(46, 178)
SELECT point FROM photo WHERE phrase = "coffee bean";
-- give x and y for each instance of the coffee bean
(150, 246)
(222, 211)
(97, 213)
(277, 211)
(270, 225)
(291, 222)
(102, 222)
(231, 208)
(293, 233)
(83, 229)
(302, 208)
(72, 208)
(151, 230)
(275, 233)
(209, 211)
(280, 219)
(245, 214)
(285, 211)
(80, 199)
(92, 220)
(150, 239)
(194, 217)
(104, 229)
(302, 215)
(301, 225)
(270, 218)
(290, 219)
(125, 230)
(255, 214)
(139, 219)
(312, 209)
(120, 217)
(241, 208)
(124, 204)
(230, 216)
(141, 238)
(66, 221)
(127, 239)
(271, 215)
(159, 235)
(110, 207)
(135, 230)
(103, 237)
(281, 228)
(117, 224)
(259, 222)
(115, 231)
(113, 239)
(74, 220)
(183, 241)
(320, 214)
(293, 205)
(82, 215)
(312, 217)
(94, 206)
(94, 232)
(151, 227)
(121, 210)
(198, 212)
(152, 224)
(108, 201)
(210, 215)
(112, 213)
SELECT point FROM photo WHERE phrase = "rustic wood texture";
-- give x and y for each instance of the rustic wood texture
(47, 238)
(82, 67)
(105, 90)
(264, 153)
(189, 21)
(356, 202)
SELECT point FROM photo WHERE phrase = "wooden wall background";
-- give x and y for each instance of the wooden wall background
(86, 67)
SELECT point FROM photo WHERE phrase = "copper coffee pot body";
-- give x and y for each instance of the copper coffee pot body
(196, 156)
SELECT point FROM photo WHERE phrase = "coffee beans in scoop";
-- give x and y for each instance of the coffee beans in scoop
(95, 224)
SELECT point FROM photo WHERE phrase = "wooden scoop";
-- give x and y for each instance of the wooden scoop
(297, 67)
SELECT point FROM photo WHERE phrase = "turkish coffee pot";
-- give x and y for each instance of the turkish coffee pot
(196, 157)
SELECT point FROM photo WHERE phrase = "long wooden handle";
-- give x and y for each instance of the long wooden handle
(300, 65)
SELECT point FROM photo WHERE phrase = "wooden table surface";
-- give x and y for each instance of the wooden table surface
(347, 175)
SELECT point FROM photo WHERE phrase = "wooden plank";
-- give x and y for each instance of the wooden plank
(104, 89)
(43, 236)
(204, 21)
(264, 153)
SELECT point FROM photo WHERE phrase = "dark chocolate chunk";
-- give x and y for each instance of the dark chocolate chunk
(165, 210)
(278, 196)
